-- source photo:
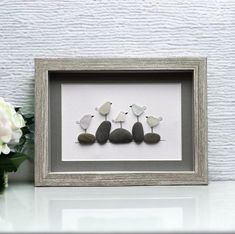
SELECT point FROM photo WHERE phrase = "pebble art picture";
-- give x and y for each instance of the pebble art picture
(119, 135)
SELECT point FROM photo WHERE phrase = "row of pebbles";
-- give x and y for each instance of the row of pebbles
(119, 135)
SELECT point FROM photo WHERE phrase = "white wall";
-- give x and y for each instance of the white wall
(68, 28)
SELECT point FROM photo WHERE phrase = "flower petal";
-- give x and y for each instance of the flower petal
(5, 149)
(5, 134)
(16, 135)
(17, 121)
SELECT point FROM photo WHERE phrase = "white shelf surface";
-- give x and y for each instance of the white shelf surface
(24, 208)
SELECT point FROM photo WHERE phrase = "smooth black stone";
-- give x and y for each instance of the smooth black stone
(102, 132)
(152, 138)
(138, 132)
(120, 136)
(86, 139)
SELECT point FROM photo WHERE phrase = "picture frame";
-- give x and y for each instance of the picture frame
(51, 169)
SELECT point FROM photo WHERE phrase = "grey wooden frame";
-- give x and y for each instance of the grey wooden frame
(44, 177)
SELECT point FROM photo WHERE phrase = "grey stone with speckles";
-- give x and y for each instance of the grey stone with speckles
(86, 139)
(138, 132)
(152, 138)
(120, 136)
(102, 132)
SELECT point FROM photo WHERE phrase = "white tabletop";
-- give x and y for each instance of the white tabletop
(24, 208)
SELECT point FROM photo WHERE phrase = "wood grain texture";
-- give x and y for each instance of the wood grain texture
(43, 174)
(123, 28)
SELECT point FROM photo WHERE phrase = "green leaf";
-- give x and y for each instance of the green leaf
(2, 184)
(30, 121)
(11, 162)
(20, 145)
(25, 130)
(28, 118)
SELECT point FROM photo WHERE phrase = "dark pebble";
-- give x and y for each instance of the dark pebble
(152, 138)
(138, 132)
(120, 136)
(102, 133)
(86, 139)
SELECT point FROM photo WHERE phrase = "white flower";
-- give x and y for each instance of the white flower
(11, 123)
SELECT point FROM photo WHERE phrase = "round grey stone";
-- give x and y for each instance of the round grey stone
(152, 138)
(86, 139)
(102, 132)
(120, 136)
(138, 132)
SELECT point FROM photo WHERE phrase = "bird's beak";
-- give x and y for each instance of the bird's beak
(92, 116)
(126, 113)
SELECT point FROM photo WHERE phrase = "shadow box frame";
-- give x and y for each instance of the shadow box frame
(46, 176)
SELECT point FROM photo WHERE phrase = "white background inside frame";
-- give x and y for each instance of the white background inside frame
(160, 99)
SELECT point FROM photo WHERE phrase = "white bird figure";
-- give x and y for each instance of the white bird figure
(153, 121)
(85, 121)
(104, 109)
(138, 110)
(121, 118)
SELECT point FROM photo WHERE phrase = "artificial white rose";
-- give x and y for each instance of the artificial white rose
(10, 124)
